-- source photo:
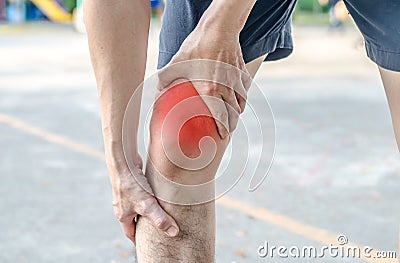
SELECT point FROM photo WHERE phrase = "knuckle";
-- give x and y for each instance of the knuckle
(247, 82)
(212, 88)
(231, 92)
(229, 88)
(144, 206)
(222, 115)
(228, 80)
(120, 215)
(247, 85)
(241, 96)
(161, 223)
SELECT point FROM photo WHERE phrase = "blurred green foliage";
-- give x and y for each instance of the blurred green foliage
(69, 5)
(311, 6)
(310, 12)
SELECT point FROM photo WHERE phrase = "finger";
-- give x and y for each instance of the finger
(241, 97)
(222, 122)
(234, 78)
(228, 95)
(241, 101)
(246, 79)
(245, 76)
(129, 228)
(215, 104)
(233, 117)
(232, 106)
(219, 112)
(241, 91)
(160, 218)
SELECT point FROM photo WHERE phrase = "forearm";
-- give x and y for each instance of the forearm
(117, 36)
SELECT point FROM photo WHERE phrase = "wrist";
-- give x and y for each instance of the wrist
(218, 16)
(117, 161)
(120, 178)
(216, 22)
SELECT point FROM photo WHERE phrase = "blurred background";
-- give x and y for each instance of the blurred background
(336, 168)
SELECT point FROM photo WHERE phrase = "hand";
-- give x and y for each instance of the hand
(224, 102)
(131, 200)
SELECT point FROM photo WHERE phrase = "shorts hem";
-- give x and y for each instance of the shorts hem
(278, 46)
(164, 56)
(386, 59)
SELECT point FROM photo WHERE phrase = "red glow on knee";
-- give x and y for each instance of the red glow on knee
(199, 125)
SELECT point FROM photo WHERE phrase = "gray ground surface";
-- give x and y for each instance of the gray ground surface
(336, 165)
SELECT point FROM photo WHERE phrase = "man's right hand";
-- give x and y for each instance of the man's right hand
(130, 199)
(227, 80)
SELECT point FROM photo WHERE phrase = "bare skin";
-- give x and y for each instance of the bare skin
(391, 82)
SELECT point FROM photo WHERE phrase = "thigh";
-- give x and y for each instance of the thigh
(379, 22)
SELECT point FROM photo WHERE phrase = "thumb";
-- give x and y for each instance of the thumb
(161, 219)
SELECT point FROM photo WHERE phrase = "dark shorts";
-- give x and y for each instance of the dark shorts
(268, 29)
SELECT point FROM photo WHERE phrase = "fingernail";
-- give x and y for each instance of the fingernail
(172, 231)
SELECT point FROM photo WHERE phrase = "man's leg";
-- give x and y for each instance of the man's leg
(196, 239)
(391, 82)
(378, 21)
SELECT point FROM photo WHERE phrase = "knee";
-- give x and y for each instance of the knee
(181, 117)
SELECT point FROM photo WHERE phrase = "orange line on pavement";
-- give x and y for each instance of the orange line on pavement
(313, 233)
(51, 137)
(320, 235)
